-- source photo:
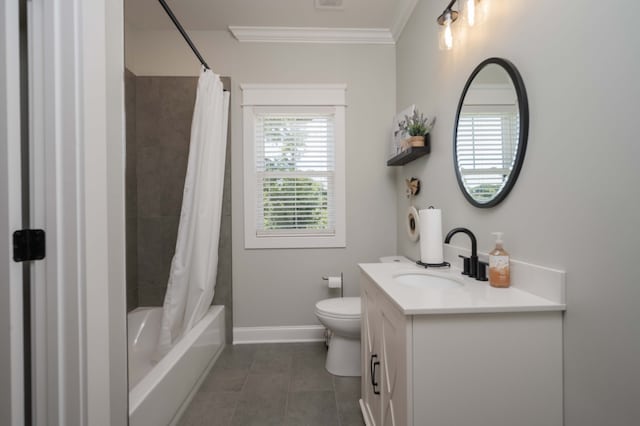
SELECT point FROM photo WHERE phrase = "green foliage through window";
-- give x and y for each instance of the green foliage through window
(294, 203)
(295, 163)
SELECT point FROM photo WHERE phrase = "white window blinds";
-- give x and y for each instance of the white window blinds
(487, 140)
(295, 166)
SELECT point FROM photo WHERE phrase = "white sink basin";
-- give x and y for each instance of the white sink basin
(426, 280)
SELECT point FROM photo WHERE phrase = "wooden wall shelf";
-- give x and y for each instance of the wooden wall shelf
(409, 155)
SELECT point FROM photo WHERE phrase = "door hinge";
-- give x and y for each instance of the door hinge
(28, 244)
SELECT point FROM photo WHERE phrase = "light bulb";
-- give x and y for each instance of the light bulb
(446, 34)
(470, 12)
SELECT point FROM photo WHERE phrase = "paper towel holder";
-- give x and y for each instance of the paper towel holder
(434, 265)
(326, 278)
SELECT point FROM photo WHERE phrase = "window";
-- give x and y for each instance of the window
(294, 166)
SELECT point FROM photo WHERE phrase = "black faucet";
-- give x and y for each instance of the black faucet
(471, 266)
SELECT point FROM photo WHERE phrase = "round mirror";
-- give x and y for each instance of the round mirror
(490, 136)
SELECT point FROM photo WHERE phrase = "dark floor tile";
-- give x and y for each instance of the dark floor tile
(309, 373)
(236, 357)
(210, 409)
(347, 387)
(225, 380)
(267, 361)
(291, 348)
(263, 400)
(266, 409)
(311, 381)
(283, 384)
(349, 412)
(314, 353)
(308, 348)
(314, 408)
(258, 385)
(347, 391)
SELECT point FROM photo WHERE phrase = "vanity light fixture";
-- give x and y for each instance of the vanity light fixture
(446, 35)
(470, 13)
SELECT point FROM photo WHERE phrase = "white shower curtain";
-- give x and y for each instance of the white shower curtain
(194, 266)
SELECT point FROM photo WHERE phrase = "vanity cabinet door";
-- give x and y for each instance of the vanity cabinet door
(371, 335)
(395, 375)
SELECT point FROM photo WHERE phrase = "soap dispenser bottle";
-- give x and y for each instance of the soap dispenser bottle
(499, 275)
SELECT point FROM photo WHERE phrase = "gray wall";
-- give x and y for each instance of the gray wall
(576, 203)
(281, 287)
(156, 168)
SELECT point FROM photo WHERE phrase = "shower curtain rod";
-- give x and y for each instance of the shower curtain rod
(175, 21)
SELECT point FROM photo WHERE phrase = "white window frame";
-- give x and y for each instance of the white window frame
(257, 97)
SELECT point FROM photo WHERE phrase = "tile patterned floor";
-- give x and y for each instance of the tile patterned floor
(274, 384)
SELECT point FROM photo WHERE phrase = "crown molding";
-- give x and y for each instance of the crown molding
(402, 16)
(312, 35)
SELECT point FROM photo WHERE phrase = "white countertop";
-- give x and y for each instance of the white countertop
(472, 297)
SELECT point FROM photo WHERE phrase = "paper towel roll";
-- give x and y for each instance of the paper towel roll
(335, 282)
(431, 236)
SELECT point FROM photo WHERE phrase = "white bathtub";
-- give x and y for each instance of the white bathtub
(159, 392)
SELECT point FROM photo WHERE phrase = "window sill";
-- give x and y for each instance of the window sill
(253, 242)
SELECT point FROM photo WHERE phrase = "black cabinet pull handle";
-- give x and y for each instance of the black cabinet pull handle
(375, 364)
(373, 356)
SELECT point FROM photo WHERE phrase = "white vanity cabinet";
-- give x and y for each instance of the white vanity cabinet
(501, 368)
(371, 325)
(386, 342)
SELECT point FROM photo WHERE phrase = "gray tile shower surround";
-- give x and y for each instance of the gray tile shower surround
(131, 192)
(274, 384)
(164, 109)
(159, 111)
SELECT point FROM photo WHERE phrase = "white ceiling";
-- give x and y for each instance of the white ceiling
(220, 14)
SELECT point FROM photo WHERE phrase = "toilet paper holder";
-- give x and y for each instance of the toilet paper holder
(326, 278)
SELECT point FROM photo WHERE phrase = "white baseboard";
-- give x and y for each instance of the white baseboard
(281, 334)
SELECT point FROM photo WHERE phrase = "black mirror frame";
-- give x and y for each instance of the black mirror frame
(523, 107)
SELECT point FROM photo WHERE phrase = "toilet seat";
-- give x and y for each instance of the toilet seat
(339, 307)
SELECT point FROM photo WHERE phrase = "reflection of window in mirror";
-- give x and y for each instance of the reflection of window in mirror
(487, 138)
(492, 122)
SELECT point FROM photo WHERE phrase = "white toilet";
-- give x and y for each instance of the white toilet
(341, 316)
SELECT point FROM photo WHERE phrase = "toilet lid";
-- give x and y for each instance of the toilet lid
(346, 307)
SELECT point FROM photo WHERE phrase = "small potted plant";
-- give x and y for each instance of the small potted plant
(416, 127)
